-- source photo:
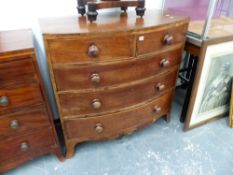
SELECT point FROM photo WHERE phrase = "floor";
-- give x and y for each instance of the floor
(160, 149)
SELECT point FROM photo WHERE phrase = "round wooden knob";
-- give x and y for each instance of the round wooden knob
(99, 128)
(14, 124)
(157, 109)
(95, 78)
(168, 39)
(24, 146)
(96, 104)
(4, 101)
(160, 87)
(93, 50)
(164, 62)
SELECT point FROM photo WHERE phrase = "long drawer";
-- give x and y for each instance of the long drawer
(26, 146)
(16, 123)
(76, 77)
(112, 125)
(91, 49)
(13, 98)
(17, 72)
(156, 41)
(95, 102)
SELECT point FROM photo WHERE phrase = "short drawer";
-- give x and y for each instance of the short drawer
(90, 49)
(76, 77)
(155, 41)
(23, 96)
(112, 125)
(17, 72)
(16, 123)
(95, 102)
(26, 145)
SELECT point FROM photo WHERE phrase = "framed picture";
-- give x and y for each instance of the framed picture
(212, 86)
(231, 108)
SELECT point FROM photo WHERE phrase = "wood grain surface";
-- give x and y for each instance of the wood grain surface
(115, 99)
(26, 126)
(79, 77)
(128, 58)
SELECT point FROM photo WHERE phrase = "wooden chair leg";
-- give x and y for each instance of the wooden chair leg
(124, 9)
(93, 6)
(81, 7)
(140, 9)
(92, 13)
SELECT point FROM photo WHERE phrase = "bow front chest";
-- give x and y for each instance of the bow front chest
(113, 76)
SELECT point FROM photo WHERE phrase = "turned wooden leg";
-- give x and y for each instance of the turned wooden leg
(81, 7)
(59, 154)
(140, 9)
(70, 150)
(124, 9)
(92, 13)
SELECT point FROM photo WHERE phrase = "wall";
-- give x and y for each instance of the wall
(23, 13)
(15, 14)
(231, 11)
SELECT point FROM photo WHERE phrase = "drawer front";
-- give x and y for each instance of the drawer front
(76, 77)
(26, 145)
(11, 99)
(16, 123)
(96, 102)
(90, 49)
(112, 125)
(156, 41)
(17, 72)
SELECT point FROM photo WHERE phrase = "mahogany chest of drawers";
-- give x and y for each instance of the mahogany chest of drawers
(113, 76)
(26, 125)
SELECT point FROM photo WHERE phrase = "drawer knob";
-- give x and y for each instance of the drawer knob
(24, 146)
(95, 78)
(157, 109)
(164, 62)
(99, 128)
(168, 39)
(4, 101)
(93, 50)
(96, 104)
(160, 87)
(14, 124)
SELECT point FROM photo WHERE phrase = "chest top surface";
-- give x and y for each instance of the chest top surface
(113, 21)
(15, 41)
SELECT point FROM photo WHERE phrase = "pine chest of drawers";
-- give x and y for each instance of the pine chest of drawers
(113, 76)
(26, 125)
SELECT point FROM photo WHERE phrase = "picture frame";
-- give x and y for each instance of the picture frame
(212, 85)
(231, 108)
